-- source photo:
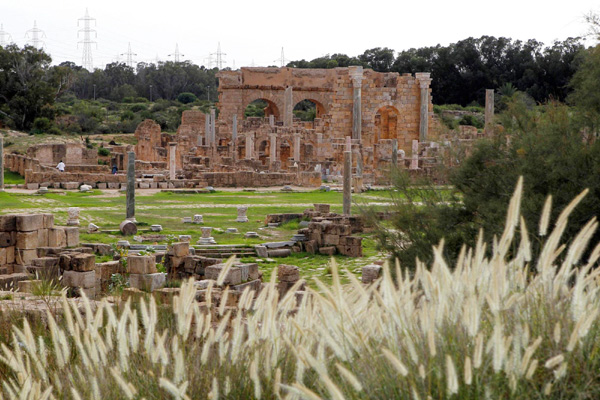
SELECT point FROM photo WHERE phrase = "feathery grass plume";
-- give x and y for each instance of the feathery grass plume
(468, 371)
(395, 361)
(545, 217)
(349, 377)
(255, 378)
(214, 392)
(301, 391)
(225, 270)
(531, 369)
(451, 378)
(178, 393)
(554, 361)
(128, 391)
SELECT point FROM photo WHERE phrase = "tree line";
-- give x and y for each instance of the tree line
(462, 71)
(29, 84)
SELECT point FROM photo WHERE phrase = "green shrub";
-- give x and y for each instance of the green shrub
(41, 125)
(103, 151)
(138, 107)
(186, 97)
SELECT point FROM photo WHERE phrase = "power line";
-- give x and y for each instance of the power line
(176, 55)
(36, 38)
(5, 37)
(281, 60)
(86, 58)
(219, 63)
(129, 55)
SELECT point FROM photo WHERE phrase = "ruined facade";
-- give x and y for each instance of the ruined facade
(380, 112)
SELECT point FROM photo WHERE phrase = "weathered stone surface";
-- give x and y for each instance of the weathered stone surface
(370, 273)
(288, 273)
(181, 249)
(147, 282)
(25, 256)
(328, 251)
(79, 279)
(8, 222)
(57, 237)
(10, 281)
(279, 252)
(8, 239)
(29, 222)
(233, 277)
(83, 262)
(128, 228)
(141, 264)
(72, 236)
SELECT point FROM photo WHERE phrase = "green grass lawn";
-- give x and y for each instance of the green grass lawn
(12, 178)
(219, 209)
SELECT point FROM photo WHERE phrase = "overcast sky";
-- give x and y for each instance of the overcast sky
(253, 32)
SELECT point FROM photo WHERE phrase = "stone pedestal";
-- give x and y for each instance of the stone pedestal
(198, 219)
(206, 238)
(130, 213)
(273, 151)
(414, 162)
(288, 107)
(172, 160)
(297, 148)
(424, 82)
(241, 214)
(489, 112)
(356, 75)
(212, 126)
(249, 146)
(73, 219)
(347, 182)
(395, 153)
(1, 163)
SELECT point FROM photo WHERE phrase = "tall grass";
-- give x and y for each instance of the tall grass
(487, 328)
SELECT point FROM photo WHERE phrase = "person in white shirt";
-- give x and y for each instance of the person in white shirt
(61, 166)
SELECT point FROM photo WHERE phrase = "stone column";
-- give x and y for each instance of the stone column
(424, 82)
(234, 128)
(414, 162)
(273, 152)
(297, 148)
(395, 152)
(241, 214)
(356, 74)
(206, 129)
(288, 107)
(130, 213)
(1, 164)
(489, 112)
(212, 127)
(172, 160)
(272, 120)
(347, 182)
(73, 213)
(249, 146)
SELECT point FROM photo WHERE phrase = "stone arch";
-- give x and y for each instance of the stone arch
(322, 104)
(386, 123)
(272, 98)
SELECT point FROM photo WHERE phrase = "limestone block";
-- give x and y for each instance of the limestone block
(181, 249)
(57, 237)
(72, 236)
(25, 256)
(254, 284)
(328, 250)
(10, 281)
(27, 286)
(42, 238)
(147, 282)
(261, 251)
(8, 223)
(10, 254)
(279, 252)
(27, 240)
(8, 239)
(48, 221)
(45, 262)
(83, 262)
(166, 295)
(288, 273)
(29, 222)
(370, 273)
(141, 264)
(106, 269)
(79, 279)
(233, 276)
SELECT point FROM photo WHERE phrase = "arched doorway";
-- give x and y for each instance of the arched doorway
(285, 153)
(308, 110)
(264, 151)
(261, 108)
(386, 123)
